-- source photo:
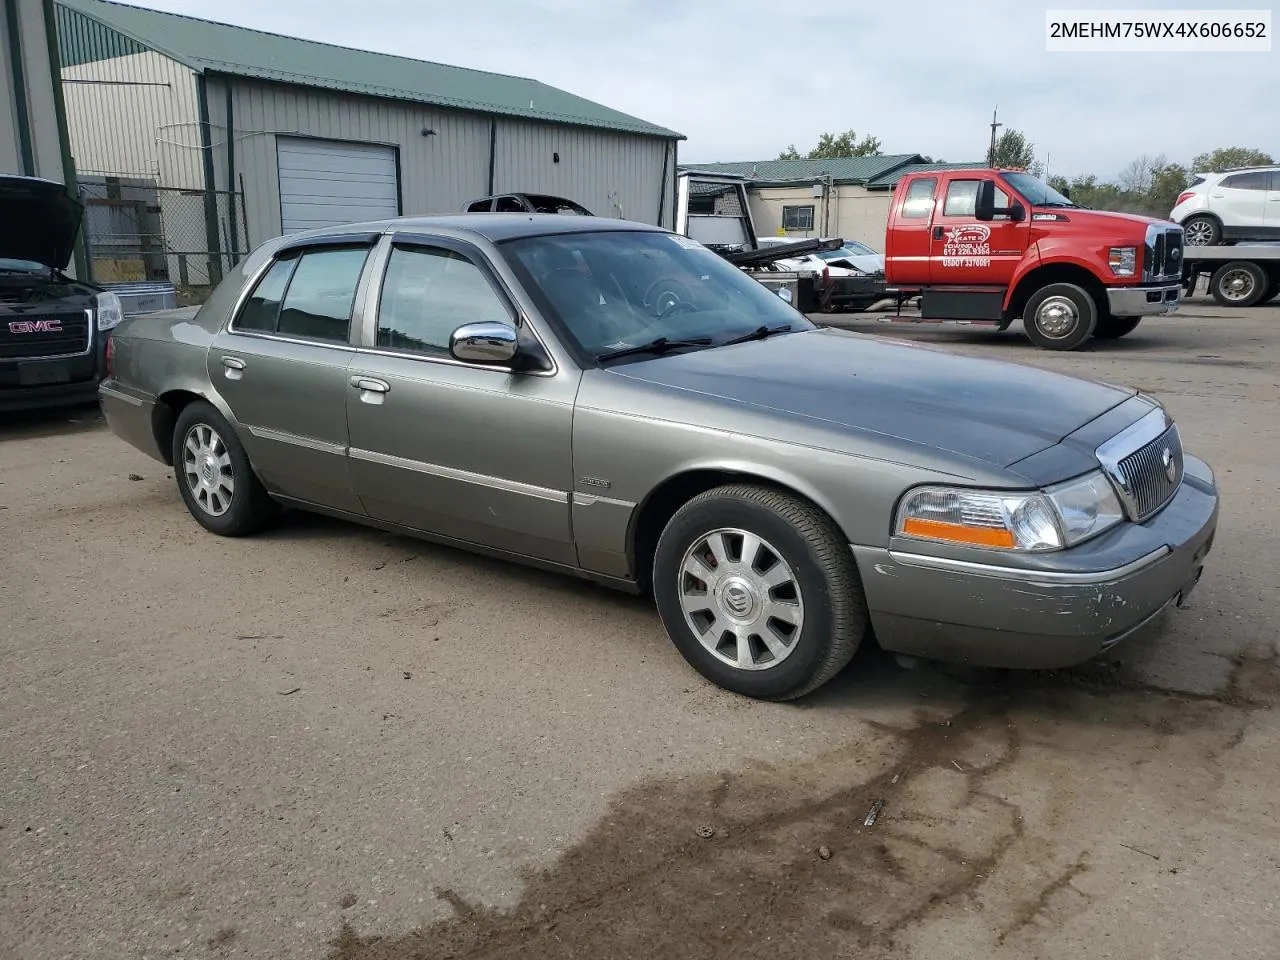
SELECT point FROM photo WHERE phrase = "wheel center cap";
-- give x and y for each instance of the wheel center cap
(207, 470)
(738, 599)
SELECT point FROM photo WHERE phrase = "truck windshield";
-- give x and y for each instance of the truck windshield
(1037, 192)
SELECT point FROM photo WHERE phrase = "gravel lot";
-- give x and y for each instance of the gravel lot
(327, 742)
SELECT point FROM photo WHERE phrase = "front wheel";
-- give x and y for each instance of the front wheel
(1113, 328)
(214, 476)
(759, 591)
(1201, 231)
(1061, 316)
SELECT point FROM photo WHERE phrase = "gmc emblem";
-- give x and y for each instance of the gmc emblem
(35, 326)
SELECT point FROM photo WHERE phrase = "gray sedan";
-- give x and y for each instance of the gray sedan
(617, 402)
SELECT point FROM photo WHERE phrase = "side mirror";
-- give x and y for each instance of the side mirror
(487, 342)
(984, 205)
(1017, 212)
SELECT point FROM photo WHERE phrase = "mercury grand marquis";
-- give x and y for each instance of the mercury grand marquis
(617, 402)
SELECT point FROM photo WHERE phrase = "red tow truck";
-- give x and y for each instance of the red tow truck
(990, 246)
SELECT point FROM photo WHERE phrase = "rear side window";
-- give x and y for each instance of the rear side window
(1258, 180)
(262, 310)
(508, 205)
(919, 201)
(311, 295)
(428, 293)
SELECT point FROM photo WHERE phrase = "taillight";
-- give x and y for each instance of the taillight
(1184, 197)
(109, 351)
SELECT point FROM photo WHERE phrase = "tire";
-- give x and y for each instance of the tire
(1061, 316)
(1239, 283)
(803, 571)
(1113, 328)
(1201, 230)
(213, 474)
(1273, 291)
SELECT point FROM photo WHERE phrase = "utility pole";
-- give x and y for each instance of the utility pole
(991, 151)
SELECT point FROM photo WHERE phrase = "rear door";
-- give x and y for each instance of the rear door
(1273, 205)
(1240, 199)
(966, 252)
(281, 366)
(907, 245)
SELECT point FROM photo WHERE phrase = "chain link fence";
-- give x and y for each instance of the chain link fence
(138, 232)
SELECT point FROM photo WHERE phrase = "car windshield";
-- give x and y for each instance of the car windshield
(21, 266)
(851, 248)
(614, 290)
(1037, 192)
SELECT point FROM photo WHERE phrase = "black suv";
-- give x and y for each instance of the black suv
(53, 330)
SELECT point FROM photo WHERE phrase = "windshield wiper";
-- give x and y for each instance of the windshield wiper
(661, 345)
(759, 333)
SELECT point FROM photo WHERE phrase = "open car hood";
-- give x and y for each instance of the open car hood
(39, 221)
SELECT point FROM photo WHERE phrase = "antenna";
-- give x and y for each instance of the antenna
(991, 151)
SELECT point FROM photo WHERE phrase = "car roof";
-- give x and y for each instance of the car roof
(494, 227)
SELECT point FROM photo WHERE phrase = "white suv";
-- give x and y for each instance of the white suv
(1233, 205)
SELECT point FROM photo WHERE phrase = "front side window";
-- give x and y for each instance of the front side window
(962, 199)
(612, 290)
(797, 218)
(429, 292)
(508, 205)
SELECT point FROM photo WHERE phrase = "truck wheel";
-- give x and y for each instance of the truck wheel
(1273, 291)
(1061, 316)
(1113, 328)
(1201, 231)
(217, 484)
(758, 591)
(1239, 283)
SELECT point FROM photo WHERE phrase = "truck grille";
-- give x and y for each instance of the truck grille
(1163, 254)
(1148, 478)
(31, 336)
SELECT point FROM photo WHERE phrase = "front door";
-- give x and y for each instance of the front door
(1241, 200)
(967, 252)
(1273, 205)
(281, 366)
(474, 453)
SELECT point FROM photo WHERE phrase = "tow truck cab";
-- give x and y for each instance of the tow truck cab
(989, 246)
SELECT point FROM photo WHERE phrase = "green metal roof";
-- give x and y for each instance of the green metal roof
(206, 46)
(887, 181)
(841, 169)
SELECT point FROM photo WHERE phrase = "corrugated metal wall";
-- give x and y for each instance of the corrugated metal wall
(611, 174)
(36, 114)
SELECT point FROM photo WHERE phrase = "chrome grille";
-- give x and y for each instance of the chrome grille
(45, 335)
(1144, 463)
(1162, 254)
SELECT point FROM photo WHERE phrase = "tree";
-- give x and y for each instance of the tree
(1224, 158)
(1012, 150)
(831, 145)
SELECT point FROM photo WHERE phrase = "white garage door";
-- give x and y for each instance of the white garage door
(324, 183)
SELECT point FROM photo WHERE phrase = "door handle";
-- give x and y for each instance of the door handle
(937, 233)
(370, 384)
(233, 367)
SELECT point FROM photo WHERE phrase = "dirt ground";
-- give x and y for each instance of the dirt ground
(326, 742)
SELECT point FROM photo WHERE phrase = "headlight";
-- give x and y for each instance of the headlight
(1123, 261)
(1052, 519)
(109, 310)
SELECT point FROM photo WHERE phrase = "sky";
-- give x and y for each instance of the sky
(742, 79)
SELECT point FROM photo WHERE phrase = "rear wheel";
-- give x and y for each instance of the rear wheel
(213, 474)
(1113, 328)
(1201, 231)
(1273, 291)
(1061, 316)
(758, 591)
(1239, 283)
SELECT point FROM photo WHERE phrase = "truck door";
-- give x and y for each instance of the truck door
(906, 247)
(967, 252)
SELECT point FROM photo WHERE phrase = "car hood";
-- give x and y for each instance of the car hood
(39, 221)
(866, 262)
(987, 410)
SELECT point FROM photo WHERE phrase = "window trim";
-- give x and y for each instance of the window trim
(812, 208)
(296, 251)
(368, 333)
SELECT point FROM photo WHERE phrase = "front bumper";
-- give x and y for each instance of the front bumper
(35, 383)
(997, 616)
(1143, 301)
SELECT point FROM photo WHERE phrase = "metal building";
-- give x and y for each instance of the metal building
(196, 140)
